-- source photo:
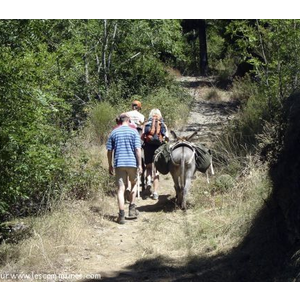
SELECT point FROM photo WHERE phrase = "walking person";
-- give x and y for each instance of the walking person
(136, 117)
(124, 150)
(137, 120)
(119, 123)
(155, 133)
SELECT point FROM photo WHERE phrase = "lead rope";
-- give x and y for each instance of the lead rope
(211, 171)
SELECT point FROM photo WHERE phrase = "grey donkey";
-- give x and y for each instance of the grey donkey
(182, 166)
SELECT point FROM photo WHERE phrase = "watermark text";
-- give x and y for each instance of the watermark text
(47, 277)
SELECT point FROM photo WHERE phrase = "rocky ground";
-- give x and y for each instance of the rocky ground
(207, 116)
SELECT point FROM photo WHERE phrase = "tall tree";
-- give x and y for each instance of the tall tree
(203, 47)
(197, 30)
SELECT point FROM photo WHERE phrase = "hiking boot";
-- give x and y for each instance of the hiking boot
(155, 196)
(121, 219)
(133, 212)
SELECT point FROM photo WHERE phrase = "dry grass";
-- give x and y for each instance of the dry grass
(214, 94)
(61, 242)
(214, 223)
(55, 237)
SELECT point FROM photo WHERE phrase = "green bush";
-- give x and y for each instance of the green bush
(30, 157)
(86, 176)
(244, 133)
(103, 119)
(224, 183)
(243, 88)
(253, 115)
(225, 69)
(86, 172)
(31, 134)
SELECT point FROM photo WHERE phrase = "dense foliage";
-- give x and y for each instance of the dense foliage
(51, 71)
(259, 59)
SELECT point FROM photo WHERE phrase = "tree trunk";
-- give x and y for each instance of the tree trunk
(86, 72)
(203, 48)
(104, 50)
(112, 46)
(86, 63)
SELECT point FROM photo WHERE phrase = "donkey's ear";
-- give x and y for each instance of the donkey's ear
(191, 136)
(174, 135)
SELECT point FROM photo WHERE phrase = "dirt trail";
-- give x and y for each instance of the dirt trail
(207, 116)
(116, 247)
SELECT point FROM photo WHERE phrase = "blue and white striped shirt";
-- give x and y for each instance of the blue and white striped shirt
(124, 140)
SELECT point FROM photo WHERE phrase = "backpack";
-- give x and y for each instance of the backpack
(154, 130)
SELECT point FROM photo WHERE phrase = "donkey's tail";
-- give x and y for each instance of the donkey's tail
(182, 167)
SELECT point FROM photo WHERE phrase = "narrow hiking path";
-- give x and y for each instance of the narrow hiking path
(117, 247)
(207, 116)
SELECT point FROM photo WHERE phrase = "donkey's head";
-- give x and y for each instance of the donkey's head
(187, 138)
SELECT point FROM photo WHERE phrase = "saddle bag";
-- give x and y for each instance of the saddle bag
(203, 157)
(162, 158)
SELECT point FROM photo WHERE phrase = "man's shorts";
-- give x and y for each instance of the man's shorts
(123, 172)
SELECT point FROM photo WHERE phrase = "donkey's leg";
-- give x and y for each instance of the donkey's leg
(176, 185)
(188, 181)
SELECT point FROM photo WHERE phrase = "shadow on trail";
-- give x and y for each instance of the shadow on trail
(261, 256)
(211, 108)
(207, 82)
(196, 83)
(98, 211)
(164, 203)
(205, 128)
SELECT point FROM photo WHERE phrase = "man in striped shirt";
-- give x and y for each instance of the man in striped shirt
(125, 143)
